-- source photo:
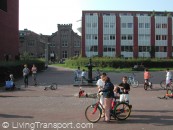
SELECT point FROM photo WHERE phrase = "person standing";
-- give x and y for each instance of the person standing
(34, 74)
(168, 77)
(108, 95)
(77, 74)
(25, 75)
(100, 85)
(83, 76)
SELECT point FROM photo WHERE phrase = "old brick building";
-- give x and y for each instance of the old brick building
(62, 44)
(9, 24)
(65, 42)
(32, 43)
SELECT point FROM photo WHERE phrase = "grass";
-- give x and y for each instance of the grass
(109, 69)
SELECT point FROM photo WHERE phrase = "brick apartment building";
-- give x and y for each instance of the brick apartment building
(65, 42)
(62, 44)
(9, 24)
(32, 43)
(127, 34)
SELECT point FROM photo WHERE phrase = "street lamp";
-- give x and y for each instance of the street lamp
(46, 54)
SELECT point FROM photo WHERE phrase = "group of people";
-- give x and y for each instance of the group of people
(80, 75)
(109, 91)
(147, 76)
(26, 72)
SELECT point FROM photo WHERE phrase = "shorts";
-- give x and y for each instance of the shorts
(124, 98)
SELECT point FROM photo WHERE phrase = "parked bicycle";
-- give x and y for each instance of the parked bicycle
(120, 111)
(51, 86)
(132, 81)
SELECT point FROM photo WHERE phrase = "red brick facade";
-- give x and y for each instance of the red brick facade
(9, 24)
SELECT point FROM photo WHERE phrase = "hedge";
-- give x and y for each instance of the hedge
(120, 63)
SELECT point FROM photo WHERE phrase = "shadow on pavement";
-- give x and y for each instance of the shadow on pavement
(14, 116)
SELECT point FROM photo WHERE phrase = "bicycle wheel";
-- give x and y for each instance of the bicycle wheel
(122, 111)
(145, 86)
(151, 86)
(93, 113)
(134, 83)
(53, 86)
(163, 84)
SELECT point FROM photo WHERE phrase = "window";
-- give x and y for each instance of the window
(147, 25)
(76, 53)
(158, 37)
(141, 25)
(164, 37)
(144, 48)
(123, 25)
(77, 44)
(127, 48)
(64, 44)
(88, 36)
(88, 25)
(94, 25)
(31, 43)
(123, 37)
(158, 25)
(161, 49)
(3, 5)
(109, 48)
(164, 25)
(112, 25)
(94, 48)
(112, 37)
(106, 37)
(129, 37)
(94, 36)
(130, 25)
(106, 25)
(64, 54)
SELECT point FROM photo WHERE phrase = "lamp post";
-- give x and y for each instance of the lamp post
(46, 54)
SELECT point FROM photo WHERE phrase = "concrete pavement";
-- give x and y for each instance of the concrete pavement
(34, 106)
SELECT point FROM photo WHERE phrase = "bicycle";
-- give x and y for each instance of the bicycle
(148, 84)
(163, 84)
(132, 81)
(52, 86)
(120, 111)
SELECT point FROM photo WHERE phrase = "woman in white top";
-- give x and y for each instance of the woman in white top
(100, 84)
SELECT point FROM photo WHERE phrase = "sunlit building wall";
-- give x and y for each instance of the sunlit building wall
(127, 34)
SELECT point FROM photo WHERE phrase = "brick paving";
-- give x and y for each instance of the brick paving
(33, 104)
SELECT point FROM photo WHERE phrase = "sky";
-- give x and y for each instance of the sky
(42, 16)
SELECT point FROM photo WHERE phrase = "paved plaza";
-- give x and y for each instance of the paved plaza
(33, 108)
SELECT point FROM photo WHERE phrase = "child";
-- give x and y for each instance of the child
(124, 89)
(83, 75)
(147, 76)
